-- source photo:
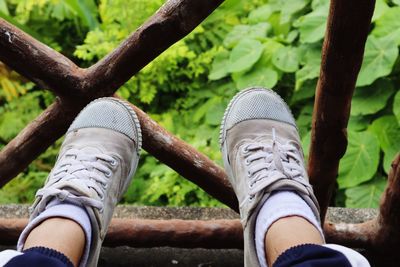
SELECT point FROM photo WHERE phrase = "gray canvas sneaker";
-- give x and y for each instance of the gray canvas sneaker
(96, 163)
(262, 153)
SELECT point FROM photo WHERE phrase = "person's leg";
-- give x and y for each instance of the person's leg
(263, 158)
(72, 212)
(60, 234)
(293, 226)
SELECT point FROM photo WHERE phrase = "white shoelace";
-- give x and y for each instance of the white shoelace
(86, 171)
(266, 162)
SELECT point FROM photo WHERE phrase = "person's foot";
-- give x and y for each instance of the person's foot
(96, 163)
(262, 153)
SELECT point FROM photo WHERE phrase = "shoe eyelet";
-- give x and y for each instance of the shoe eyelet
(244, 149)
(247, 162)
(113, 163)
(248, 173)
(108, 174)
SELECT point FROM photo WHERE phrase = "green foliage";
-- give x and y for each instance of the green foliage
(59, 23)
(245, 54)
(19, 112)
(387, 130)
(14, 116)
(379, 57)
(367, 195)
(286, 59)
(290, 63)
(270, 43)
(312, 26)
(396, 106)
(361, 160)
(371, 99)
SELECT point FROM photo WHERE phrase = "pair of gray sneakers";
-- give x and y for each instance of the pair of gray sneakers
(100, 153)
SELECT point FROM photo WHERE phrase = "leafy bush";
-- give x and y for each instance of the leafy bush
(282, 50)
(274, 43)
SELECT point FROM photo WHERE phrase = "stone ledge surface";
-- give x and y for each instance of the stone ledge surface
(336, 215)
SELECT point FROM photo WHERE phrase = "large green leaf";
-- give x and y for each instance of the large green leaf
(87, 11)
(245, 55)
(260, 14)
(312, 26)
(307, 72)
(219, 68)
(3, 7)
(262, 76)
(358, 123)
(396, 106)
(286, 59)
(361, 160)
(291, 7)
(379, 58)
(319, 4)
(381, 7)
(303, 121)
(279, 28)
(387, 130)
(366, 195)
(238, 33)
(306, 90)
(310, 58)
(388, 22)
(270, 48)
(372, 98)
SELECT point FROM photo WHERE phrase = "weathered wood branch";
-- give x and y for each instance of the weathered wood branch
(183, 233)
(51, 70)
(47, 68)
(181, 157)
(380, 236)
(153, 233)
(342, 54)
(387, 240)
(351, 235)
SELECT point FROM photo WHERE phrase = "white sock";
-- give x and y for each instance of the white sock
(56, 208)
(280, 204)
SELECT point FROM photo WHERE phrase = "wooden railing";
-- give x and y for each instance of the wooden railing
(347, 30)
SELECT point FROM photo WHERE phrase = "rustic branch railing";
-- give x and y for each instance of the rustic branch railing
(76, 87)
(143, 233)
(342, 54)
(347, 30)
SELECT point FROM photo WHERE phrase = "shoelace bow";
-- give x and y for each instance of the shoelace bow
(266, 161)
(81, 167)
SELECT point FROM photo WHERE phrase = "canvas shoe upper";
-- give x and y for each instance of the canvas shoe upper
(97, 160)
(262, 153)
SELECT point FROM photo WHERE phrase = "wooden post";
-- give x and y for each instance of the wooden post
(342, 54)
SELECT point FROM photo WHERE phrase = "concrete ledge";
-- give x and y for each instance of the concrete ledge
(335, 215)
(166, 256)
